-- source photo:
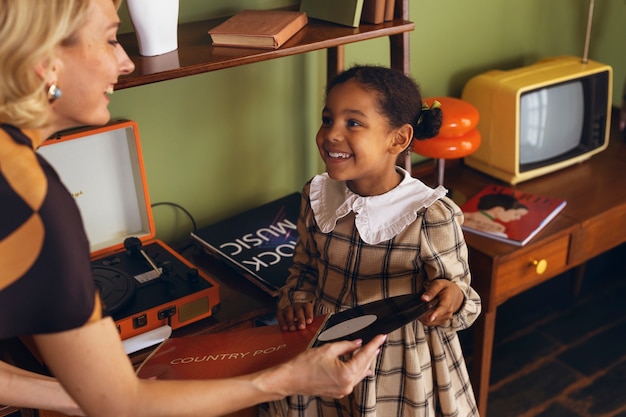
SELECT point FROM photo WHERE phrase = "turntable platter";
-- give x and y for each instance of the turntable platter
(116, 287)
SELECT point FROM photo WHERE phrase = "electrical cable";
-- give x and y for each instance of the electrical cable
(168, 203)
(184, 210)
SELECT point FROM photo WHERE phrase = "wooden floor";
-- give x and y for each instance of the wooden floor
(558, 354)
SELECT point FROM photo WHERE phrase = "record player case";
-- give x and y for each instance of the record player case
(144, 283)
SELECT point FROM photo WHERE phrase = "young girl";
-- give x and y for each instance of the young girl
(367, 231)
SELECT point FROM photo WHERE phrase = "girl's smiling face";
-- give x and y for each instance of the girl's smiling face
(356, 142)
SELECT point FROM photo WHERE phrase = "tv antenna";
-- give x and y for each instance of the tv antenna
(588, 36)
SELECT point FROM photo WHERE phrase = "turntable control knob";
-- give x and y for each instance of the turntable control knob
(167, 268)
(193, 276)
(167, 277)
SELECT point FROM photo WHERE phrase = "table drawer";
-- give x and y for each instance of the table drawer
(527, 269)
(599, 234)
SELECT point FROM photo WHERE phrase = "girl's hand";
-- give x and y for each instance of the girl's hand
(295, 317)
(450, 300)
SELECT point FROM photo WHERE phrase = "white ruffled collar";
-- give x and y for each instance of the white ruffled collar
(378, 218)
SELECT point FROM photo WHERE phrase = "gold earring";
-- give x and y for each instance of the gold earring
(54, 93)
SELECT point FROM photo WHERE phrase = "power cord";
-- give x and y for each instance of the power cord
(184, 210)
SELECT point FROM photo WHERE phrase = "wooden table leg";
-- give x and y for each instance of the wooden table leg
(484, 329)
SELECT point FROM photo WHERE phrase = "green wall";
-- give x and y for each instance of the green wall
(222, 142)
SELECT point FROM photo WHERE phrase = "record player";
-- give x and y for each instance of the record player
(145, 285)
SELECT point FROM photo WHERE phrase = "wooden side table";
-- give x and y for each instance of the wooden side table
(593, 222)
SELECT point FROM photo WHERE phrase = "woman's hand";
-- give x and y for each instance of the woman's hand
(295, 316)
(450, 301)
(322, 372)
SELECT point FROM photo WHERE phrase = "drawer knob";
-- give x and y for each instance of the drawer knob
(540, 265)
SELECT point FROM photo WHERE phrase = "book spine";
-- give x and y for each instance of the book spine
(373, 11)
(291, 29)
(389, 10)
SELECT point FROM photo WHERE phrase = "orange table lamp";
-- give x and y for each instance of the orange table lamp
(458, 136)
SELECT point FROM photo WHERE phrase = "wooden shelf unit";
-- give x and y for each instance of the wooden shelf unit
(196, 54)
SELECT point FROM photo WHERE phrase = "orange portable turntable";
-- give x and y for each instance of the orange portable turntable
(148, 288)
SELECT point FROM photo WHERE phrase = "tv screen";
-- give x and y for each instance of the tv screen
(551, 121)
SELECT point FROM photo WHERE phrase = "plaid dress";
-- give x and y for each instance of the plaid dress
(420, 370)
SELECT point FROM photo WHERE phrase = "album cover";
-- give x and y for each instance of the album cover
(227, 354)
(258, 243)
(509, 215)
(239, 352)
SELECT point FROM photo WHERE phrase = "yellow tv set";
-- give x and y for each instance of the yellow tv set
(540, 118)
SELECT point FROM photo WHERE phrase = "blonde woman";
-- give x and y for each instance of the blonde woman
(59, 61)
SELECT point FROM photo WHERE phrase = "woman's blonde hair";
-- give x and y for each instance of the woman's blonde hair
(31, 31)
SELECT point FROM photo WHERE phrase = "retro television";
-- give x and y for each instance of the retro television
(540, 118)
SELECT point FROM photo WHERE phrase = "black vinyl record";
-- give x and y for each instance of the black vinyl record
(371, 319)
(116, 287)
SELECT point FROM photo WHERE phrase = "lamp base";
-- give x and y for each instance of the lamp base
(455, 195)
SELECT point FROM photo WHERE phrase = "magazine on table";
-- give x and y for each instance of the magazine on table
(509, 215)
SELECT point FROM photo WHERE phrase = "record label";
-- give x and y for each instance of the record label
(347, 327)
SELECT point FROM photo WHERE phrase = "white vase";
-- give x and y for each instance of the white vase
(156, 25)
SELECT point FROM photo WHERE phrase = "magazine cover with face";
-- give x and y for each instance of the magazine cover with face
(508, 214)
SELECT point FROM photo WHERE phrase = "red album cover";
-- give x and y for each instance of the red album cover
(239, 352)
(509, 215)
(227, 354)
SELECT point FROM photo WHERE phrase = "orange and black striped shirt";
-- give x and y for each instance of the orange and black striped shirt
(46, 283)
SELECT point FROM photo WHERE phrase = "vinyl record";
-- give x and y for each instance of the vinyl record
(378, 317)
(116, 287)
(346, 328)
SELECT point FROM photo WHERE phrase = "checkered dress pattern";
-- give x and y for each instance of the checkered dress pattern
(420, 371)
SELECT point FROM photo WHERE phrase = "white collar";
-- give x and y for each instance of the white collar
(377, 218)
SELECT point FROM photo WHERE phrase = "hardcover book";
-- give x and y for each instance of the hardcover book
(389, 10)
(267, 29)
(344, 12)
(509, 215)
(258, 243)
(373, 11)
(239, 352)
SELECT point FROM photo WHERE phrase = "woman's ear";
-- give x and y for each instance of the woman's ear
(48, 70)
(402, 139)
